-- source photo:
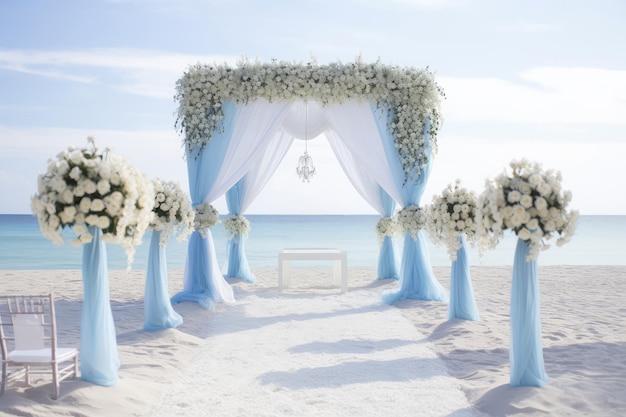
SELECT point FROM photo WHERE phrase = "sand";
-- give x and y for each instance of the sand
(310, 350)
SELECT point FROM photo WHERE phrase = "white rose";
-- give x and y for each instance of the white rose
(75, 173)
(54, 222)
(541, 203)
(58, 184)
(80, 217)
(79, 190)
(104, 222)
(76, 157)
(67, 215)
(79, 228)
(117, 197)
(105, 171)
(91, 220)
(63, 167)
(544, 189)
(526, 201)
(525, 188)
(115, 178)
(67, 196)
(76, 242)
(535, 179)
(103, 187)
(90, 186)
(513, 196)
(524, 233)
(97, 205)
(84, 205)
(532, 224)
(86, 238)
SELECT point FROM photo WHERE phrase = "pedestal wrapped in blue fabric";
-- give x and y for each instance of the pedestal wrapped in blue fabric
(238, 266)
(99, 362)
(462, 302)
(526, 354)
(158, 311)
(418, 281)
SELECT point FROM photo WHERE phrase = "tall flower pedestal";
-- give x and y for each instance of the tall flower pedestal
(526, 354)
(99, 362)
(158, 311)
(462, 302)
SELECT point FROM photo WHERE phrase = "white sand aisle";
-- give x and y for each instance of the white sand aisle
(281, 354)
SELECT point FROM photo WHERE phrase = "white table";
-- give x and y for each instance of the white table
(339, 258)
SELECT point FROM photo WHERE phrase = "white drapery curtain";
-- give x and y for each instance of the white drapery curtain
(247, 130)
(241, 195)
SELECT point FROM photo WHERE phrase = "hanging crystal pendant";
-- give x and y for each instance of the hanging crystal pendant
(305, 167)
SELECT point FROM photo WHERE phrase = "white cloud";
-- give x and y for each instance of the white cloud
(144, 72)
(541, 95)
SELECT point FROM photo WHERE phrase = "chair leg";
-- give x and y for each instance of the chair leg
(4, 377)
(27, 374)
(75, 366)
(55, 380)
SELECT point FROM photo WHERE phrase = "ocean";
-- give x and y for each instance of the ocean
(599, 240)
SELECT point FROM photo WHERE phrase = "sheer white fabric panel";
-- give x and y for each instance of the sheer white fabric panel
(255, 123)
(356, 173)
(264, 167)
(355, 124)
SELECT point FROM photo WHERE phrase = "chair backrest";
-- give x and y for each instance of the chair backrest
(28, 331)
(27, 322)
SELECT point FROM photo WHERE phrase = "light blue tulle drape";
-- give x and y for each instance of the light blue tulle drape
(387, 262)
(238, 266)
(417, 280)
(526, 354)
(200, 269)
(99, 362)
(157, 307)
(203, 168)
(462, 303)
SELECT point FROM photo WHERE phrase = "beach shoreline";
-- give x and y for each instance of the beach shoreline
(583, 337)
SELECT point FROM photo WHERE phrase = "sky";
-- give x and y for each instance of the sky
(542, 80)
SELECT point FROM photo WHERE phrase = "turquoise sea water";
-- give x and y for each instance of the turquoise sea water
(599, 240)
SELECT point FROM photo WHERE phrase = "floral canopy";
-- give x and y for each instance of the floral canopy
(238, 123)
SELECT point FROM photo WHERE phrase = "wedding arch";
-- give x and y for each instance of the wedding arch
(238, 123)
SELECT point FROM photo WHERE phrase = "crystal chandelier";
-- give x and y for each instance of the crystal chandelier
(305, 167)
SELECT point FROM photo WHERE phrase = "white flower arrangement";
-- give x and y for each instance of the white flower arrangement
(412, 219)
(411, 96)
(452, 214)
(83, 187)
(236, 225)
(387, 227)
(173, 214)
(206, 216)
(531, 203)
